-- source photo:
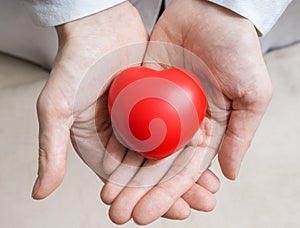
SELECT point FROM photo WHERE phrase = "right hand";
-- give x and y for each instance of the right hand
(238, 94)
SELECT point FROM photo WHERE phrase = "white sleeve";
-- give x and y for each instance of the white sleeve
(56, 12)
(262, 13)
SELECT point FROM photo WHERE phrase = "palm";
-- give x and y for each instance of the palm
(238, 87)
(62, 103)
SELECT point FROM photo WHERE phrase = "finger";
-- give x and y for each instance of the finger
(147, 176)
(120, 177)
(180, 210)
(208, 136)
(114, 155)
(241, 128)
(160, 199)
(209, 181)
(53, 143)
(199, 198)
(236, 142)
(120, 211)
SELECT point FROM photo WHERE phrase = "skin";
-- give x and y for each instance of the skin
(93, 37)
(229, 46)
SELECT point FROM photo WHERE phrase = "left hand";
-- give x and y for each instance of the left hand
(228, 44)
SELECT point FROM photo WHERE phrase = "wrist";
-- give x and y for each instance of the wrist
(79, 27)
(93, 25)
(226, 18)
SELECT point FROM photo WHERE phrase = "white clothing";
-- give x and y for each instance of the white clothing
(55, 12)
(263, 13)
(20, 37)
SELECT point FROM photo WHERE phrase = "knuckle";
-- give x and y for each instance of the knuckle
(44, 106)
(265, 92)
(258, 97)
(51, 107)
(40, 103)
(166, 192)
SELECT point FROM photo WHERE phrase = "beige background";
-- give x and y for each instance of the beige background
(265, 195)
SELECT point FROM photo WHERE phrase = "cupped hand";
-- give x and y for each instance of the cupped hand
(239, 85)
(238, 89)
(81, 44)
(62, 113)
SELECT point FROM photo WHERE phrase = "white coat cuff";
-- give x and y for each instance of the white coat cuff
(262, 13)
(56, 12)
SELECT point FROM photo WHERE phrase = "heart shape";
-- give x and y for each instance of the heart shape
(155, 113)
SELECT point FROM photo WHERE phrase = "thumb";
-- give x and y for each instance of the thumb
(53, 144)
(241, 128)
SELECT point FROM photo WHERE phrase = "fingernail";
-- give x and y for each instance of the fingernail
(36, 187)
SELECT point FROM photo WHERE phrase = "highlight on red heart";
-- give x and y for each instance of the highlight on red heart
(156, 113)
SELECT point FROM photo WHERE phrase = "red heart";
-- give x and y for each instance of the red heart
(155, 113)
